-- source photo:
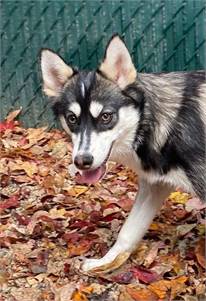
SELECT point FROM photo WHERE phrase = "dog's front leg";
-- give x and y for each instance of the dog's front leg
(147, 204)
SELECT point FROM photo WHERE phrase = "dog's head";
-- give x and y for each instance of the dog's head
(97, 108)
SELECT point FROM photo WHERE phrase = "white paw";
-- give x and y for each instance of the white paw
(90, 264)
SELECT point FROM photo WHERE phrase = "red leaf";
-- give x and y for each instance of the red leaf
(145, 275)
(71, 237)
(95, 216)
(112, 216)
(7, 125)
(126, 203)
(67, 267)
(79, 224)
(12, 202)
(22, 219)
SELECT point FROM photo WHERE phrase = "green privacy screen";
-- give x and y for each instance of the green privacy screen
(161, 36)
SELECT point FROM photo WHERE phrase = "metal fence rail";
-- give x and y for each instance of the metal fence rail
(162, 35)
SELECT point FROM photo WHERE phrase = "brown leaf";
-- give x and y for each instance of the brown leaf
(152, 254)
(63, 293)
(30, 168)
(200, 252)
(35, 220)
(76, 190)
(60, 149)
(35, 135)
(25, 293)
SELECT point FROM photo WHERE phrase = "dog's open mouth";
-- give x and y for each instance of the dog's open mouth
(91, 176)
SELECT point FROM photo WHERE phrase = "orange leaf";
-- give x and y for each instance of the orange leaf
(142, 294)
(79, 296)
(82, 247)
(161, 287)
(177, 286)
(77, 190)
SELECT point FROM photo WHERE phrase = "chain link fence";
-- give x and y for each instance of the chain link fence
(162, 35)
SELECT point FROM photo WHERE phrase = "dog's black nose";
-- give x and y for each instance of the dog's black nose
(83, 161)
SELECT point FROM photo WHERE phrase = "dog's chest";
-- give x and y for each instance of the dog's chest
(175, 177)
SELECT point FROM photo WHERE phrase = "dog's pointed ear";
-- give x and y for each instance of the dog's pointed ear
(117, 65)
(55, 72)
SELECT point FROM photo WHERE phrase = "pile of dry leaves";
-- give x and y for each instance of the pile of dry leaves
(49, 223)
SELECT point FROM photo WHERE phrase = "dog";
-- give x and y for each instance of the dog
(152, 123)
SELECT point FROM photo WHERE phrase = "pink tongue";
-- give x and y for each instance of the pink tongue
(91, 176)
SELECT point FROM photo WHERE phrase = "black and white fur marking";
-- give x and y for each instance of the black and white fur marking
(156, 127)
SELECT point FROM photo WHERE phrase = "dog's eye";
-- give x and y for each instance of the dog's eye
(106, 117)
(72, 119)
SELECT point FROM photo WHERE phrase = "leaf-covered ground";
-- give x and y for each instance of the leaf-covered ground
(49, 223)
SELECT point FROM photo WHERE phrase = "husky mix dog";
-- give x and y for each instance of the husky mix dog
(153, 123)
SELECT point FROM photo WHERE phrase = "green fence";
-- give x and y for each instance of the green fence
(161, 35)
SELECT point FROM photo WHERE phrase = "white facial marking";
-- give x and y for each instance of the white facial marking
(95, 108)
(75, 108)
(64, 124)
(123, 132)
(83, 89)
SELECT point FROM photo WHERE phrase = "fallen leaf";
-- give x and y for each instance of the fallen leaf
(144, 275)
(79, 296)
(30, 168)
(179, 197)
(25, 293)
(76, 190)
(200, 252)
(59, 149)
(34, 136)
(161, 287)
(177, 286)
(35, 219)
(7, 125)
(142, 294)
(126, 203)
(79, 249)
(12, 115)
(123, 278)
(11, 202)
(194, 204)
(57, 213)
(184, 229)
(63, 293)
(152, 254)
